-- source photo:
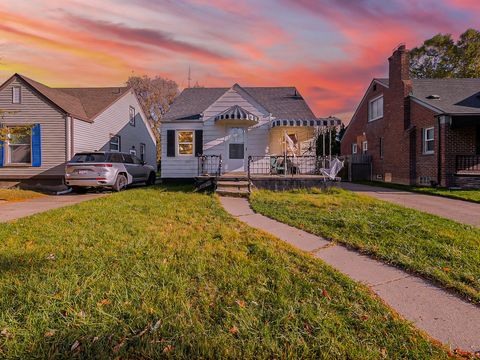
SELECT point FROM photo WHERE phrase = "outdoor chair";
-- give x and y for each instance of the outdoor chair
(331, 173)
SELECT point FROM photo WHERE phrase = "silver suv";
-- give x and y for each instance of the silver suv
(107, 169)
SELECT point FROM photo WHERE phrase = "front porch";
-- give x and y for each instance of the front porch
(467, 171)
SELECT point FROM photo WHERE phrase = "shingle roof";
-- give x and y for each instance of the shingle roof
(383, 81)
(81, 103)
(281, 102)
(456, 96)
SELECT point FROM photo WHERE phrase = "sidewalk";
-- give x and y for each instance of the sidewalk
(457, 210)
(442, 315)
(18, 209)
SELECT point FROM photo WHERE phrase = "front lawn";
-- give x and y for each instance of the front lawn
(18, 195)
(440, 249)
(154, 272)
(468, 195)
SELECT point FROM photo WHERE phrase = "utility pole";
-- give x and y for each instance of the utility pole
(189, 76)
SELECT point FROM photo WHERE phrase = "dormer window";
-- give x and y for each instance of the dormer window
(132, 116)
(375, 108)
(16, 95)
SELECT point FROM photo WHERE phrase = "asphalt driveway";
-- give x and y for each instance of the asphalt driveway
(17, 209)
(461, 211)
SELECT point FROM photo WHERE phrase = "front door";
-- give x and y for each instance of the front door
(235, 150)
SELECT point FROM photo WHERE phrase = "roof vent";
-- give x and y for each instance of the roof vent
(433, 97)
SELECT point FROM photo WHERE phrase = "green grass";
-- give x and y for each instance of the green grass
(154, 272)
(18, 195)
(437, 248)
(468, 195)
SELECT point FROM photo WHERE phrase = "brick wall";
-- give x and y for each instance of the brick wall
(457, 141)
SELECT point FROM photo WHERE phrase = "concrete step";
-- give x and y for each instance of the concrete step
(232, 183)
(232, 192)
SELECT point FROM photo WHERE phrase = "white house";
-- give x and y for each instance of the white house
(234, 124)
(64, 121)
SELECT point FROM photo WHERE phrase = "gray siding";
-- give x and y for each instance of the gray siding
(34, 110)
(115, 121)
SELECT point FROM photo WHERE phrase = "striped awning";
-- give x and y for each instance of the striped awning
(320, 122)
(236, 113)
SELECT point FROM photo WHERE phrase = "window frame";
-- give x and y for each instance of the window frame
(370, 112)
(364, 146)
(178, 143)
(19, 88)
(354, 149)
(8, 152)
(119, 143)
(143, 150)
(131, 120)
(426, 141)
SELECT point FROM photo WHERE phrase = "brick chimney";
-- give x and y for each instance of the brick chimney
(399, 65)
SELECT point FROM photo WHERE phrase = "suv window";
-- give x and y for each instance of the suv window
(127, 159)
(136, 160)
(88, 158)
(115, 158)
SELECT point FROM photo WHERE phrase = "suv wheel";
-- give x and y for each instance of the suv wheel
(120, 183)
(151, 179)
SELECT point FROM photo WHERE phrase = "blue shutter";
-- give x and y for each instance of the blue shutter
(2, 151)
(36, 146)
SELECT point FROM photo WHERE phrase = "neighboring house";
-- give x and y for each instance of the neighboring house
(233, 123)
(418, 131)
(64, 121)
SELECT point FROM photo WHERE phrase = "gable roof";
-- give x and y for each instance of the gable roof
(281, 102)
(456, 96)
(80, 103)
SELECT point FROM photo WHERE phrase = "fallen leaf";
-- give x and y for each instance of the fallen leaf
(117, 347)
(364, 317)
(5, 333)
(241, 303)
(383, 352)
(95, 339)
(233, 330)
(168, 348)
(141, 333)
(447, 269)
(156, 326)
(81, 314)
(104, 302)
(51, 257)
(75, 345)
(49, 333)
(325, 294)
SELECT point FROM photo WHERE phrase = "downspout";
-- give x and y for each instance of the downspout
(69, 138)
(439, 152)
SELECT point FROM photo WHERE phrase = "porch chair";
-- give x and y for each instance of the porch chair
(335, 166)
(277, 165)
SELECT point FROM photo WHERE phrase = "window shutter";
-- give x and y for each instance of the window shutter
(198, 142)
(36, 146)
(2, 151)
(171, 143)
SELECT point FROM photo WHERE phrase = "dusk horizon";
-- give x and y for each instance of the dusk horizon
(329, 50)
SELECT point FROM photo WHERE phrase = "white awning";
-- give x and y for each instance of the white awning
(236, 115)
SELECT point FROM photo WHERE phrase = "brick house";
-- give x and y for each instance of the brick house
(418, 131)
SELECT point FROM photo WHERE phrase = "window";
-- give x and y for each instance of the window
(132, 116)
(89, 158)
(127, 159)
(375, 109)
(16, 95)
(185, 142)
(19, 145)
(142, 152)
(428, 140)
(115, 143)
(115, 158)
(381, 147)
(354, 149)
(364, 147)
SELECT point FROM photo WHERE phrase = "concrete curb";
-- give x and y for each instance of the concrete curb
(442, 315)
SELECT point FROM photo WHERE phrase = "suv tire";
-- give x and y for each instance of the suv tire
(120, 183)
(151, 179)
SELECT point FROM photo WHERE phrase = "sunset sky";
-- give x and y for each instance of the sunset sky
(329, 49)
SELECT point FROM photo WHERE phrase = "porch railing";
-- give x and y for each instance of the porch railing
(289, 165)
(467, 164)
(210, 165)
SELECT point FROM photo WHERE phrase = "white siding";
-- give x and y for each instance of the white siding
(33, 109)
(115, 121)
(214, 135)
(178, 166)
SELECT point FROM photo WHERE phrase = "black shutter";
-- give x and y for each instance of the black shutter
(171, 143)
(198, 142)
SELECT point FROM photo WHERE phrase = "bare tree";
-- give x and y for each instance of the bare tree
(155, 95)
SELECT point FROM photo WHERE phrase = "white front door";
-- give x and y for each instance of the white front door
(235, 161)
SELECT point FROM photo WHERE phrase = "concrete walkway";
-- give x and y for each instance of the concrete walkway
(18, 209)
(442, 315)
(458, 210)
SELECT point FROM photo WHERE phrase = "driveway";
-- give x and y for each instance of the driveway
(18, 209)
(461, 211)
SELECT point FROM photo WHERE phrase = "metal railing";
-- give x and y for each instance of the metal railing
(210, 165)
(467, 164)
(286, 165)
